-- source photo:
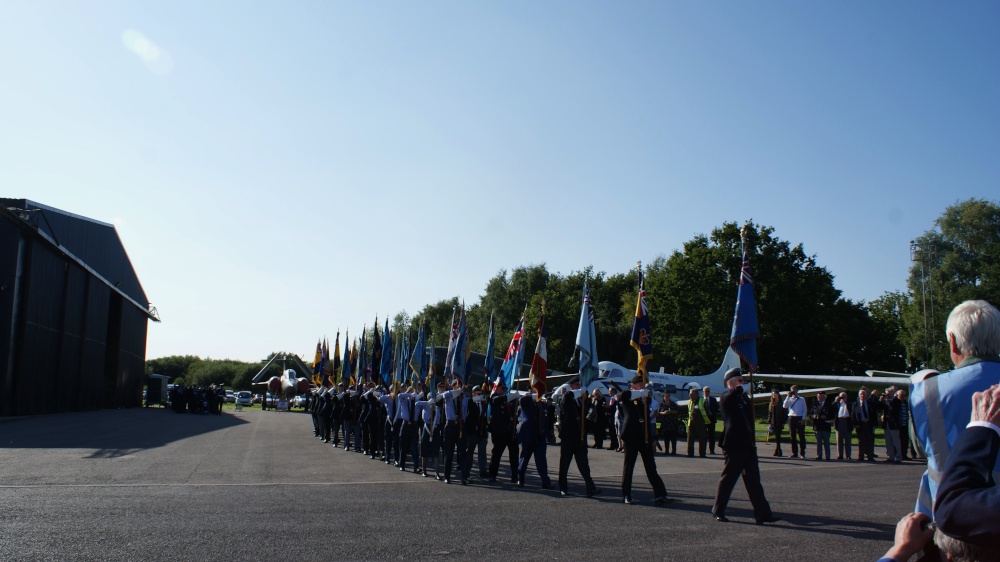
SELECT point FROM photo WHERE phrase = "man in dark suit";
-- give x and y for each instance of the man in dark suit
(740, 452)
(502, 425)
(572, 441)
(712, 409)
(864, 417)
(531, 436)
(638, 441)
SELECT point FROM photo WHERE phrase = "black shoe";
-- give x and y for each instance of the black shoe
(720, 518)
(520, 483)
(402, 469)
(425, 475)
(546, 485)
(492, 479)
(437, 477)
(447, 480)
(663, 500)
(629, 500)
(483, 475)
(778, 454)
(465, 482)
(593, 492)
(768, 519)
(563, 493)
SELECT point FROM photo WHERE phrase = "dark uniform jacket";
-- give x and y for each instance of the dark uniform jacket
(737, 421)
(570, 418)
(634, 416)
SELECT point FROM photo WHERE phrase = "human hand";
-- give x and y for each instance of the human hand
(913, 532)
(986, 405)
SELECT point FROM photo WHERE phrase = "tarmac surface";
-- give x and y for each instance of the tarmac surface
(152, 484)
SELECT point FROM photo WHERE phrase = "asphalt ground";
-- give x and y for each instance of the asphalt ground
(152, 484)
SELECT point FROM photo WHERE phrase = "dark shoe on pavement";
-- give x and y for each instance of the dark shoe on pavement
(768, 519)
(720, 518)
(629, 500)
(563, 493)
(662, 500)
(593, 492)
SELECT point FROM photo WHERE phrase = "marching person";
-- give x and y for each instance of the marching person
(502, 425)
(740, 452)
(572, 440)
(531, 434)
(712, 410)
(637, 441)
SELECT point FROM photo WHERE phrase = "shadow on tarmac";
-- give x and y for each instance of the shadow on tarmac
(111, 433)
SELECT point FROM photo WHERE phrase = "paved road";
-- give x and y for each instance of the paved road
(152, 484)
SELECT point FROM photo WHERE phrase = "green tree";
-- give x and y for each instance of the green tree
(958, 260)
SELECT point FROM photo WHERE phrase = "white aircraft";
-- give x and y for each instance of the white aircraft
(679, 386)
(287, 385)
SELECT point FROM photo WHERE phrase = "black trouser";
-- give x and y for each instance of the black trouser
(741, 461)
(389, 436)
(451, 443)
(866, 441)
(503, 441)
(632, 450)
(404, 431)
(797, 434)
(337, 422)
(568, 449)
(711, 436)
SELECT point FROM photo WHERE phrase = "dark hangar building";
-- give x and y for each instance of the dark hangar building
(73, 315)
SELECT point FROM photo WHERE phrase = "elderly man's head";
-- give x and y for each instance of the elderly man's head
(973, 329)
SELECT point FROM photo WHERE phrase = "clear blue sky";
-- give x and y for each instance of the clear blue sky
(279, 170)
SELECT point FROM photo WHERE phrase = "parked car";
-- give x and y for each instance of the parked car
(300, 401)
(230, 397)
(244, 398)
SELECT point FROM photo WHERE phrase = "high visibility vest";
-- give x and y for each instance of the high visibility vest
(701, 409)
(941, 407)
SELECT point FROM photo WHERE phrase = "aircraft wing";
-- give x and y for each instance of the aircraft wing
(847, 382)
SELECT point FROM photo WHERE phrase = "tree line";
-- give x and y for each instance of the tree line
(806, 324)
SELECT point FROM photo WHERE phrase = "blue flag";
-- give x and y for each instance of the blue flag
(460, 353)
(745, 333)
(642, 339)
(386, 367)
(418, 359)
(514, 358)
(585, 353)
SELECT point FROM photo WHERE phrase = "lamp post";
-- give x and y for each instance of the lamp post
(922, 252)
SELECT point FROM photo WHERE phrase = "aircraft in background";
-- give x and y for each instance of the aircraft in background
(679, 386)
(287, 385)
(873, 379)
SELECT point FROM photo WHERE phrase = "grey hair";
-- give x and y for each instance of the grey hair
(976, 328)
(961, 551)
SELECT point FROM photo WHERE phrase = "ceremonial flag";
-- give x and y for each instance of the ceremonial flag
(641, 337)
(460, 353)
(336, 362)
(540, 364)
(489, 363)
(386, 368)
(418, 359)
(585, 352)
(512, 360)
(452, 337)
(345, 373)
(364, 369)
(745, 333)
(430, 371)
(318, 362)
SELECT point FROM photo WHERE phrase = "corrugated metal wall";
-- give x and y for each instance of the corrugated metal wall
(68, 342)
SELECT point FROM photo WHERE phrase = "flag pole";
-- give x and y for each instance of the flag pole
(752, 368)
